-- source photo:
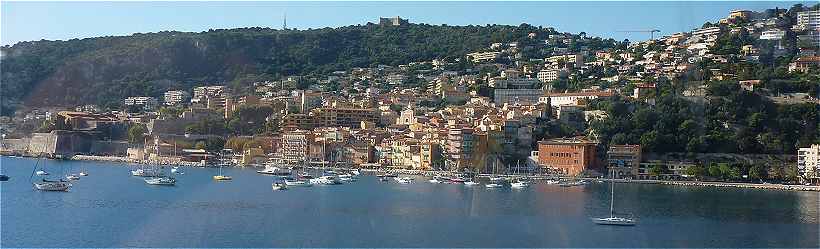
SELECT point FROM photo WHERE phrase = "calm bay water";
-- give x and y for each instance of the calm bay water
(110, 208)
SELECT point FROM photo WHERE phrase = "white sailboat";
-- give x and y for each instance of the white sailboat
(160, 179)
(612, 219)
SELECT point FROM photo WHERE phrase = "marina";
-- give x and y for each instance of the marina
(248, 212)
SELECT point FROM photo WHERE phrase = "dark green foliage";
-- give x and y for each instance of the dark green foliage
(104, 70)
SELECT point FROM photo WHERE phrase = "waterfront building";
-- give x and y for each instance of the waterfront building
(623, 160)
(567, 156)
(460, 143)
(295, 146)
(346, 117)
(808, 163)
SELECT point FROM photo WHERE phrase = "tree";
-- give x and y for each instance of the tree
(792, 174)
(697, 171)
(136, 133)
(200, 145)
(757, 172)
(714, 171)
(657, 170)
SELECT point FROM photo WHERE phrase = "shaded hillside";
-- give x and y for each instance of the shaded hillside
(106, 69)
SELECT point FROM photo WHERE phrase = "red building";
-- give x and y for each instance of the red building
(569, 156)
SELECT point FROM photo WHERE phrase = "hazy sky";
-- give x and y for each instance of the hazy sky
(27, 21)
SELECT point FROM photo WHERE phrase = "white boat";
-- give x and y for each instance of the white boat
(83, 173)
(279, 186)
(325, 180)
(355, 172)
(612, 219)
(297, 183)
(146, 173)
(496, 179)
(175, 170)
(434, 180)
(41, 173)
(47, 185)
(166, 181)
(273, 170)
(519, 184)
(493, 185)
(404, 180)
(470, 183)
(553, 182)
(72, 177)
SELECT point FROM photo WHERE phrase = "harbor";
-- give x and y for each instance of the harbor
(120, 210)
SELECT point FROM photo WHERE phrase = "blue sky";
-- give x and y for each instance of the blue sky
(27, 21)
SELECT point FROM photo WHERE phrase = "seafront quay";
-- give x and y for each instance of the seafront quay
(726, 184)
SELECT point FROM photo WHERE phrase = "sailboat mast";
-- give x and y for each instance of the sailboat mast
(612, 198)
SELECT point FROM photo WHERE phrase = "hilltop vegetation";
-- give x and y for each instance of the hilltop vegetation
(104, 70)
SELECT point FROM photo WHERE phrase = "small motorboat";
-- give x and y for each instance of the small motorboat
(222, 178)
(493, 185)
(4, 178)
(164, 181)
(177, 170)
(72, 177)
(404, 180)
(470, 183)
(83, 173)
(279, 186)
(305, 175)
(41, 173)
(325, 180)
(519, 184)
(434, 180)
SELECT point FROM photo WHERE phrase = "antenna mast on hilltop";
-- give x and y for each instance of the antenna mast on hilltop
(285, 22)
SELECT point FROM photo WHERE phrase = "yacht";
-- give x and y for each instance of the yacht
(470, 183)
(356, 172)
(273, 170)
(305, 175)
(298, 183)
(41, 173)
(47, 185)
(72, 177)
(612, 219)
(404, 180)
(347, 178)
(177, 170)
(434, 180)
(83, 173)
(458, 179)
(165, 181)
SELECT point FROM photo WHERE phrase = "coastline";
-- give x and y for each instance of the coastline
(536, 178)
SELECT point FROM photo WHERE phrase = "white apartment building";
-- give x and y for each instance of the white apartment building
(808, 161)
(147, 103)
(559, 99)
(772, 34)
(483, 56)
(548, 75)
(808, 19)
(175, 97)
(203, 92)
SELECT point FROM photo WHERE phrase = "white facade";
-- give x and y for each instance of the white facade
(147, 103)
(808, 160)
(548, 75)
(772, 34)
(203, 92)
(522, 96)
(483, 56)
(560, 99)
(513, 83)
(809, 19)
(175, 97)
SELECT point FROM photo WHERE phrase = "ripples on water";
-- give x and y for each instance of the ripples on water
(112, 209)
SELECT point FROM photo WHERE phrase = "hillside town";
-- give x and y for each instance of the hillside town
(495, 110)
